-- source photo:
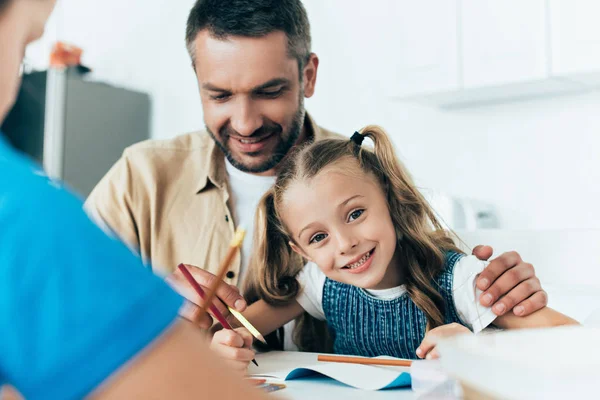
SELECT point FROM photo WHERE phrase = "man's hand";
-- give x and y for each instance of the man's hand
(511, 280)
(226, 295)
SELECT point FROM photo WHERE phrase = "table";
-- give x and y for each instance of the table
(318, 387)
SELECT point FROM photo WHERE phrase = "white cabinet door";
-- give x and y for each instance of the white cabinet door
(575, 35)
(421, 44)
(397, 47)
(503, 41)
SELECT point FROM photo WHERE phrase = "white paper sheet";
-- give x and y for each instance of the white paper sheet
(367, 377)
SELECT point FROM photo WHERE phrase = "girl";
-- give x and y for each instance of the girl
(382, 271)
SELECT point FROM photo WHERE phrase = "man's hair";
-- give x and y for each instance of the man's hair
(3, 3)
(251, 18)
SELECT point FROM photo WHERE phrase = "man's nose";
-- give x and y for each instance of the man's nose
(246, 118)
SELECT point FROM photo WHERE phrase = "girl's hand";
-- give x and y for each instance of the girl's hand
(427, 347)
(235, 346)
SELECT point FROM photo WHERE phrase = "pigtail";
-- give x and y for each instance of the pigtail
(273, 265)
(422, 241)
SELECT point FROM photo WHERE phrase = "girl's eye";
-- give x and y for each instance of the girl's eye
(355, 214)
(317, 238)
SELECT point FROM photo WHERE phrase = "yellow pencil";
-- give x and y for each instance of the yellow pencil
(247, 325)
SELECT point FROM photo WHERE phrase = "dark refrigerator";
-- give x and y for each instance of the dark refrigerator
(76, 129)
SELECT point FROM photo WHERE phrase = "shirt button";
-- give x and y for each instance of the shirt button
(227, 218)
(230, 274)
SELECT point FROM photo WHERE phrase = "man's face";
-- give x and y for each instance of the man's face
(252, 97)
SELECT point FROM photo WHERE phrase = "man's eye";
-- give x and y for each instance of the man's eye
(355, 215)
(318, 237)
(220, 97)
(271, 94)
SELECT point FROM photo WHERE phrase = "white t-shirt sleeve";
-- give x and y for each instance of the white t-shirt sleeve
(311, 281)
(466, 294)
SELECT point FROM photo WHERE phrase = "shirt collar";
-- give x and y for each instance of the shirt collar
(216, 173)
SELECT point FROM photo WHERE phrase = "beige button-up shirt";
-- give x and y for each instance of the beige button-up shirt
(168, 199)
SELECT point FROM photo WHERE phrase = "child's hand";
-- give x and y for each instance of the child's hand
(427, 347)
(235, 347)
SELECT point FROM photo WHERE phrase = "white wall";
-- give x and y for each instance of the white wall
(536, 160)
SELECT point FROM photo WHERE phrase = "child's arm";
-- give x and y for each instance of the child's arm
(267, 318)
(546, 317)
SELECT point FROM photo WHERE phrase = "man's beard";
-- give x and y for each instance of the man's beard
(285, 144)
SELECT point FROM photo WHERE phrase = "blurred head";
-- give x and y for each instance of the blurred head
(356, 213)
(21, 22)
(254, 68)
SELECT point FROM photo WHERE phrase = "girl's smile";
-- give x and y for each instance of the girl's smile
(360, 265)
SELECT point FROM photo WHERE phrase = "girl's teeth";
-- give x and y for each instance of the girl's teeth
(360, 262)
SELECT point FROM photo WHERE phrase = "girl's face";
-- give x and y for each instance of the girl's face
(340, 220)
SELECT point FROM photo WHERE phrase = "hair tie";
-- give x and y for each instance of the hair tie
(357, 138)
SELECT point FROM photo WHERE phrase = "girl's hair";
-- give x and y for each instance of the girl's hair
(421, 245)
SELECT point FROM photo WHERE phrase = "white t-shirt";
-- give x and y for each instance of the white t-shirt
(464, 292)
(246, 191)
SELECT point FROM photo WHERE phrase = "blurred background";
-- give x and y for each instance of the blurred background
(492, 104)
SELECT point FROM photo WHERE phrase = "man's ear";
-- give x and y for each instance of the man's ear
(310, 75)
(299, 250)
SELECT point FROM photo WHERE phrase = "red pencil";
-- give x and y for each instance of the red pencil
(215, 311)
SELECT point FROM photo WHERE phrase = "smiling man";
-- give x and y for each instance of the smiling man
(178, 200)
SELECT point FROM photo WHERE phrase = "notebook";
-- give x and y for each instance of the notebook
(367, 377)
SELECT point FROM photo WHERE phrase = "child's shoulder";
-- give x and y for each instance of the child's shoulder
(451, 258)
(459, 267)
(462, 267)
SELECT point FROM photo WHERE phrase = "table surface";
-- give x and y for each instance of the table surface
(317, 387)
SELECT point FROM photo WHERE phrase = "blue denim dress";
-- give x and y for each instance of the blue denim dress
(367, 326)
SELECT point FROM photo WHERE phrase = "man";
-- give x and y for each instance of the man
(74, 315)
(178, 200)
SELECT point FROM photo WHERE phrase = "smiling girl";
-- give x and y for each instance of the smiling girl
(382, 271)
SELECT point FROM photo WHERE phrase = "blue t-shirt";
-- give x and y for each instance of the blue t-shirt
(74, 304)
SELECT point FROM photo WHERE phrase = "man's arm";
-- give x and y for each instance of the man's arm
(110, 205)
(509, 283)
(179, 365)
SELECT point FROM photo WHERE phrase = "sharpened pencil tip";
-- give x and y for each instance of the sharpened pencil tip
(239, 237)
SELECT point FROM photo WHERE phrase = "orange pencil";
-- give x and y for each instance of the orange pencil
(235, 244)
(364, 360)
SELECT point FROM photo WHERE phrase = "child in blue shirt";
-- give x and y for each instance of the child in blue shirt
(78, 311)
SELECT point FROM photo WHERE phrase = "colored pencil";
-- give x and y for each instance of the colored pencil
(235, 244)
(247, 325)
(364, 360)
(215, 311)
